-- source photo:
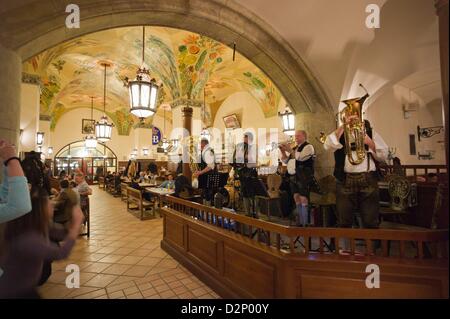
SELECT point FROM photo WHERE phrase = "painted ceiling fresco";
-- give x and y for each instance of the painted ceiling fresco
(189, 66)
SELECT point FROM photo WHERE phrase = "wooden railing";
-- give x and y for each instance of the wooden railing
(417, 170)
(431, 244)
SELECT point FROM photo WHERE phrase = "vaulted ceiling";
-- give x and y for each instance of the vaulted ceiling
(188, 65)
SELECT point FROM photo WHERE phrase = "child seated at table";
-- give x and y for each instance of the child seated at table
(169, 183)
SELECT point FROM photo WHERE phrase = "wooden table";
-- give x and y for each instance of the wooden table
(159, 192)
(143, 185)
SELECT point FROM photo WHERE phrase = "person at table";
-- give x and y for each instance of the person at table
(142, 177)
(84, 191)
(64, 204)
(169, 183)
(206, 166)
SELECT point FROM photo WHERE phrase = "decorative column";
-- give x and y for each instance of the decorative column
(187, 112)
(10, 82)
(442, 13)
(313, 124)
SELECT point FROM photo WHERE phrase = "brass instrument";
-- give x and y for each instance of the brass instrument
(354, 131)
(322, 138)
(193, 163)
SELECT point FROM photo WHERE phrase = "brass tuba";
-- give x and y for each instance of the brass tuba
(355, 131)
(193, 158)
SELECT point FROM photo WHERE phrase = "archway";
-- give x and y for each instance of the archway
(35, 26)
(93, 163)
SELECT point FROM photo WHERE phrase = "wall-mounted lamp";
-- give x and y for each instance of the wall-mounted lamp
(427, 132)
(50, 150)
(39, 149)
(40, 138)
(145, 151)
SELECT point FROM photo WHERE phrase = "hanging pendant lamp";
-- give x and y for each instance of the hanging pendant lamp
(90, 142)
(103, 129)
(143, 90)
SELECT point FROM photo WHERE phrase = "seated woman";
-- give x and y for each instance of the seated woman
(28, 246)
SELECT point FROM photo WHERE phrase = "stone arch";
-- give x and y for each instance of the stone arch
(35, 26)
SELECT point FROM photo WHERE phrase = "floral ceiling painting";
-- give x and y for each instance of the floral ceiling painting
(189, 65)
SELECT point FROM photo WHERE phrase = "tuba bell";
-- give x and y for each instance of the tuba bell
(355, 131)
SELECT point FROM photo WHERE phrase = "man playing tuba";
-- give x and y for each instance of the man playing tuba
(355, 167)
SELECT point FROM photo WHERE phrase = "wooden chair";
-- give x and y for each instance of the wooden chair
(438, 209)
(134, 196)
(123, 191)
(266, 204)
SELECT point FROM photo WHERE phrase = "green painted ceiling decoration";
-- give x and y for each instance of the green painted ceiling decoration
(189, 66)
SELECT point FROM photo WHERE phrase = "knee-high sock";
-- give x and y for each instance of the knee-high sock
(299, 214)
(304, 214)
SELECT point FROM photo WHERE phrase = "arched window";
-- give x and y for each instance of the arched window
(92, 162)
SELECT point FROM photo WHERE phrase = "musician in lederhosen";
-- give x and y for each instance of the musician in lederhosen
(357, 185)
(206, 166)
(244, 163)
(300, 160)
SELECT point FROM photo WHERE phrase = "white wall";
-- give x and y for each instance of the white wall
(29, 116)
(387, 118)
(248, 112)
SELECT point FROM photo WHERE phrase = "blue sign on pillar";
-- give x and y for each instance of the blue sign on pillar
(156, 135)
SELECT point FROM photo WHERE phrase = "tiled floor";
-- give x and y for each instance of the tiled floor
(123, 259)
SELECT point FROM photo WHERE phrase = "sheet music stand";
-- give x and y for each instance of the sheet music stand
(216, 180)
(260, 189)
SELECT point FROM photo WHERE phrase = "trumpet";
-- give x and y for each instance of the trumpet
(289, 144)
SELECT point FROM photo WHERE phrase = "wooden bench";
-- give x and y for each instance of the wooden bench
(123, 191)
(134, 196)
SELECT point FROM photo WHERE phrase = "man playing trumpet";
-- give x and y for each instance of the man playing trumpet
(300, 161)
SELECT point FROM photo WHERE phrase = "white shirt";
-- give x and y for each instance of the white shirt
(332, 143)
(208, 157)
(251, 156)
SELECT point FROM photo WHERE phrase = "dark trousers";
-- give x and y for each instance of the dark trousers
(358, 193)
